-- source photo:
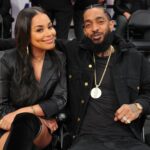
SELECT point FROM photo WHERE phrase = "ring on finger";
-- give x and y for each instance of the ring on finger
(1, 121)
(128, 121)
(124, 118)
(54, 128)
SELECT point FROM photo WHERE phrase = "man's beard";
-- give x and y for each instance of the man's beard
(99, 47)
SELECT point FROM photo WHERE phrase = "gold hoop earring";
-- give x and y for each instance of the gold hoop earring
(27, 50)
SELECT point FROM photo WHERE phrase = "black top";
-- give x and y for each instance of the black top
(99, 118)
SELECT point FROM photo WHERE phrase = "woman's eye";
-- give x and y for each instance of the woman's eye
(39, 30)
(50, 27)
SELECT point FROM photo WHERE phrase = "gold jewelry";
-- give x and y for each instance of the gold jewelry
(128, 121)
(138, 106)
(27, 50)
(37, 60)
(96, 91)
(124, 118)
(108, 52)
(1, 121)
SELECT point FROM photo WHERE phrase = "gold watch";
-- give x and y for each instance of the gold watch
(139, 106)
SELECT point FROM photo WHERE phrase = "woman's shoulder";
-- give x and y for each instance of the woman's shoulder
(8, 56)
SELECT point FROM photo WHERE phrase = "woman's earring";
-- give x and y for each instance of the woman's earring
(27, 50)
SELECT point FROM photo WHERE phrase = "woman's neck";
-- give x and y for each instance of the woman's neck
(38, 55)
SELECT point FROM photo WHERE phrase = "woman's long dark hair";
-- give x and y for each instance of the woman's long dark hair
(25, 84)
(22, 36)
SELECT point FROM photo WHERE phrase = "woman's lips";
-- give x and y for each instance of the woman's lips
(49, 41)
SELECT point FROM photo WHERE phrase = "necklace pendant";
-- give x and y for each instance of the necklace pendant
(96, 93)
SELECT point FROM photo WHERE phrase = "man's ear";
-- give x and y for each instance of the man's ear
(111, 24)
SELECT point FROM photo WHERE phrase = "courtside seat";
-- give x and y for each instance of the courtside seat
(138, 30)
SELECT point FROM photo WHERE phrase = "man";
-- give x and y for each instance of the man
(108, 86)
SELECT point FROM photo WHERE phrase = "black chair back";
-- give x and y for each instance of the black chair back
(138, 30)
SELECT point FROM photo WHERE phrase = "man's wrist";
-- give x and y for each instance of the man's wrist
(139, 106)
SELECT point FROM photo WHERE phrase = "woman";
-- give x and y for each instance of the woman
(32, 84)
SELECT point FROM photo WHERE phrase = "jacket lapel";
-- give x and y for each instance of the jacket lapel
(47, 71)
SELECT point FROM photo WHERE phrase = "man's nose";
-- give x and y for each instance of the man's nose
(95, 27)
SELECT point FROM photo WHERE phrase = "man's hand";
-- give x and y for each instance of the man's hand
(51, 124)
(127, 113)
(127, 15)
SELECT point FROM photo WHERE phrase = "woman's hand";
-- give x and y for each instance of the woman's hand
(6, 121)
(51, 124)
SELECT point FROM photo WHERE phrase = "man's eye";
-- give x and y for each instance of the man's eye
(101, 21)
(87, 25)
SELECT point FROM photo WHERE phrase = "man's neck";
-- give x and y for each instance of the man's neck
(106, 53)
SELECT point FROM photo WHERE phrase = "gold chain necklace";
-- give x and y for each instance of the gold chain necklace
(96, 92)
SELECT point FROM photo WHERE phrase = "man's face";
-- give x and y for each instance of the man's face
(97, 25)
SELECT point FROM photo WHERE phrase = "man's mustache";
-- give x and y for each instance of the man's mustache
(96, 34)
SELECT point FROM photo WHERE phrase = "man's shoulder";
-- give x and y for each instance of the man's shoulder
(60, 54)
(123, 45)
(67, 42)
(69, 47)
(133, 50)
(127, 49)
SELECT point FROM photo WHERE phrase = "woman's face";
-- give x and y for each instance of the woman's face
(42, 33)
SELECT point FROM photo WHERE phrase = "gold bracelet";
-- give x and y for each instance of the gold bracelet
(138, 106)
(33, 110)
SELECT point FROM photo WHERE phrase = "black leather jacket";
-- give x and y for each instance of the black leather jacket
(53, 93)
